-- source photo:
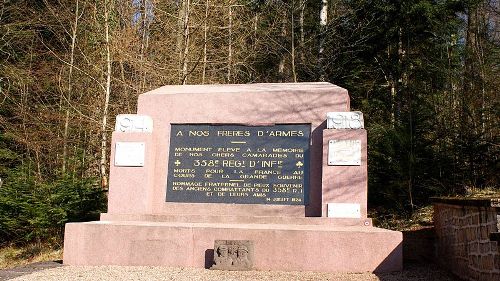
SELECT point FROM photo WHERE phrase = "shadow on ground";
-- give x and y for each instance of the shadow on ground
(419, 271)
(10, 273)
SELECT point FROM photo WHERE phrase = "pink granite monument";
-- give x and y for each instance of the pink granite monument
(258, 163)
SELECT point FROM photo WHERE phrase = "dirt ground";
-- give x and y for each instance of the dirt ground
(54, 271)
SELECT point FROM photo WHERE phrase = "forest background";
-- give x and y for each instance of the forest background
(425, 73)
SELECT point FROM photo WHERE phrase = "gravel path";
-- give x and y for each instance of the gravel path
(412, 272)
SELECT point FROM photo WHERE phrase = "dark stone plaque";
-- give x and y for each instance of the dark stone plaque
(239, 164)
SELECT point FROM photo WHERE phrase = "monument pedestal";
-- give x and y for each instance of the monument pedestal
(318, 244)
(238, 162)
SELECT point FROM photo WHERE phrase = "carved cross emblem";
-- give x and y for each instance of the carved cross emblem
(177, 162)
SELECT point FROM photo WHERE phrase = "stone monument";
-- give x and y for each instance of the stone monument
(280, 167)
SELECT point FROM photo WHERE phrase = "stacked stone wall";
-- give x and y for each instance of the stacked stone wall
(465, 243)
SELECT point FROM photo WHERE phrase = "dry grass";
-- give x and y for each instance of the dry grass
(421, 217)
(12, 256)
(487, 192)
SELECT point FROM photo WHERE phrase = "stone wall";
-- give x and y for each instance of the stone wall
(466, 237)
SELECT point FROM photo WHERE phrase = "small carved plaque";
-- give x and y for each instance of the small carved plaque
(344, 153)
(345, 120)
(129, 154)
(343, 210)
(233, 255)
(133, 123)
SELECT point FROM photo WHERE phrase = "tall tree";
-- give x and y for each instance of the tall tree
(323, 21)
(67, 99)
(107, 94)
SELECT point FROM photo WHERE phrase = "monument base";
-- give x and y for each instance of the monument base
(324, 245)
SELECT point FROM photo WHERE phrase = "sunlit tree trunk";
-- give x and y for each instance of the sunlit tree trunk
(255, 28)
(230, 47)
(205, 39)
(180, 37)
(104, 141)
(281, 65)
(144, 42)
(74, 30)
(323, 21)
(302, 36)
(186, 42)
(292, 34)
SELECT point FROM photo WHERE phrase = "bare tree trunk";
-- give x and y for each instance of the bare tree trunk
(230, 48)
(302, 38)
(186, 43)
(125, 91)
(293, 45)
(467, 122)
(479, 50)
(400, 75)
(255, 28)
(38, 165)
(393, 102)
(70, 86)
(470, 70)
(323, 20)
(104, 142)
(24, 112)
(180, 37)
(144, 44)
(281, 66)
(84, 154)
(37, 149)
(393, 81)
(411, 155)
(205, 33)
(406, 88)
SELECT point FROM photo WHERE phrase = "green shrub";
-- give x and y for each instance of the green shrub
(31, 210)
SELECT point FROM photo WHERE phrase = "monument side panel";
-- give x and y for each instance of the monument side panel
(345, 184)
(131, 187)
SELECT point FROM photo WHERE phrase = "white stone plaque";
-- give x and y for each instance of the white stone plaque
(133, 123)
(345, 120)
(129, 154)
(344, 152)
(343, 210)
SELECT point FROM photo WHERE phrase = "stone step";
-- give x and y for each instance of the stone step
(238, 219)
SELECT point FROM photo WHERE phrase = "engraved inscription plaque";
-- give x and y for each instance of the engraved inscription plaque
(239, 164)
(344, 153)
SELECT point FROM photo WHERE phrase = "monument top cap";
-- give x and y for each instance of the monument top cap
(228, 88)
